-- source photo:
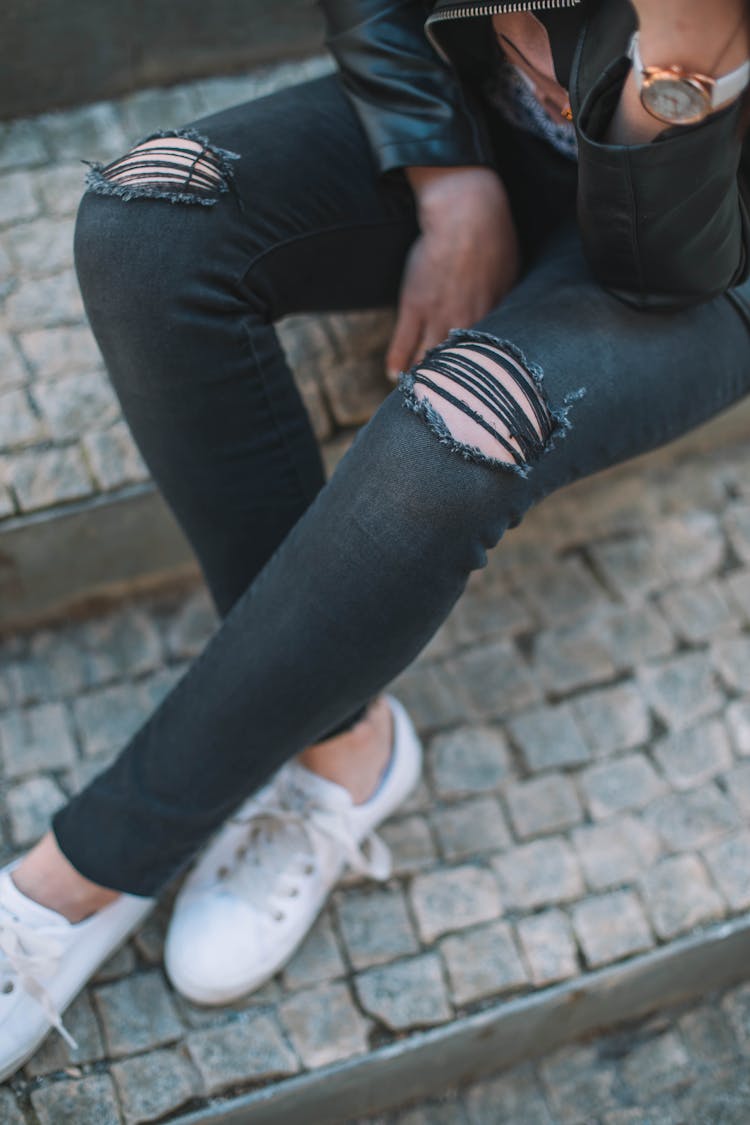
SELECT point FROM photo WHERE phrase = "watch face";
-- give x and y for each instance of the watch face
(675, 100)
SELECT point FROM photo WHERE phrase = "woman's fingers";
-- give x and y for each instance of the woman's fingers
(406, 336)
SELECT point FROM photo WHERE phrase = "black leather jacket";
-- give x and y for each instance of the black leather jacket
(664, 225)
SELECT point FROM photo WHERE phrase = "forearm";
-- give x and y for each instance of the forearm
(693, 34)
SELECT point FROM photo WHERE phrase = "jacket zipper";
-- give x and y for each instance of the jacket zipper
(468, 10)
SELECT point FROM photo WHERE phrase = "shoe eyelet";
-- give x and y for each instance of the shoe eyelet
(280, 916)
(294, 892)
(8, 987)
(308, 868)
(222, 872)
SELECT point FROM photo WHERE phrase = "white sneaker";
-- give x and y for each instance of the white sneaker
(259, 886)
(45, 961)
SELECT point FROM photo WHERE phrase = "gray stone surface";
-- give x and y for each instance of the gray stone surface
(453, 899)
(375, 925)
(549, 947)
(324, 1025)
(137, 1013)
(543, 805)
(249, 1049)
(610, 927)
(481, 962)
(83, 1101)
(405, 994)
(150, 1086)
(468, 760)
(679, 895)
(549, 738)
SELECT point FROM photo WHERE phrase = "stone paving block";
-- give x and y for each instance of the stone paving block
(55, 1054)
(579, 1082)
(192, 626)
(490, 611)
(151, 1086)
(114, 458)
(543, 805)
(127, 643)
(318, 958)
(20, 425)
(632, 566)
(74, 404)
(738, 591)
(30, 806)
(562, 590)
(613, 718)
(690, 757)
(627, 782)
(737, 784)
(52, 666)
(483, 962)
(610, 927)
(120, 964)
(471, 827)
(494, 679)
(452, 899)
(10, 1114)
(468, 760)
(538, 874)
(375, 926)
(411, 844)
(738, 721)
(60, 187)
(616, 851)
(633, 635)
(678, 896)
(736, 1006)
(155, 687)
(21, 145)
(431, 696)
(36, 739)
(691, 545)
(405, 994)
(42, 247)
(698, 613)
(150, 935)
(52, 352)
(92, 132)
(549, 947)
(85, 770)
(731, 658)
(42, 478)
(148, 111)
(707, 1035)
(324, 1025)
(12, 370)
(246, 1050)
(17, 199)
(549, 737)
(729, 864)
(45, 302)
(515, 1097)
(568, 657)
(87, 1101)
(657, 1065)
(737, 524)
(687, 821)
(448, 1111)
(108, 717)
(137, 1014)
(681, 690)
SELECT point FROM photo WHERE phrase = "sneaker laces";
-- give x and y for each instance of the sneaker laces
(279, 846)
(29, 953)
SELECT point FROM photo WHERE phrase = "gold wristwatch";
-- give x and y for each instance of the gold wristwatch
(679, 96)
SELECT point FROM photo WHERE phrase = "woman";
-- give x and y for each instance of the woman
(519, 178)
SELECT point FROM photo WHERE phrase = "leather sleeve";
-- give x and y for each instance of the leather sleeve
(664, 224)
(409, 101)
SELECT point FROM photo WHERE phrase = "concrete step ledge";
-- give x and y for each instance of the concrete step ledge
(63, 559)
(425, 1063)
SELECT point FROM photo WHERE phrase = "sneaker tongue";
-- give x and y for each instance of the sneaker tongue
(25, 908)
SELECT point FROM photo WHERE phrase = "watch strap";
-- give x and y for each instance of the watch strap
(724, 88)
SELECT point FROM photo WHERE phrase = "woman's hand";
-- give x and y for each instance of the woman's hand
(462, 264)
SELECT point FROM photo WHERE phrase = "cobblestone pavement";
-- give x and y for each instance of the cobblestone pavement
(62, 437)
(586, 715)
(682, 1067)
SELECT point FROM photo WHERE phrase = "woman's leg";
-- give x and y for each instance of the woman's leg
(376, 562)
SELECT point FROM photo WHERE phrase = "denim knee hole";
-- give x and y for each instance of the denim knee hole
(179, 165)
(497, 411)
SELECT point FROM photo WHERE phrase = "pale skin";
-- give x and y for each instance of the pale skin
(462, 264)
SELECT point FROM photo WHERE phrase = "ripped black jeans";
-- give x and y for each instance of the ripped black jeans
(328, 590)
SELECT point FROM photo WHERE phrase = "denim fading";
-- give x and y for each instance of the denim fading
(327, 590)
